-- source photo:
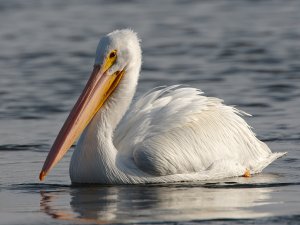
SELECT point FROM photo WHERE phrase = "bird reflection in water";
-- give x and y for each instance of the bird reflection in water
(108, 204)
(93, 209)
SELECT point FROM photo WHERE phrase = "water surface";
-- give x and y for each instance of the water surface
(245, 52)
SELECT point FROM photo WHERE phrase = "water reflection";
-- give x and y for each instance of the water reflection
(154, 203)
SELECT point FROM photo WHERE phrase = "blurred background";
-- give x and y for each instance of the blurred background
(245, 52)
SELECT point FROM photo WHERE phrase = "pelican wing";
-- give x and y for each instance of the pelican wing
(178, 130)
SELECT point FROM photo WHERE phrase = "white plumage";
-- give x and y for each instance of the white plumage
(170, 134)
(177, 130)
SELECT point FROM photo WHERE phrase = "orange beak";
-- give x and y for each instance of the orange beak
(97, 90)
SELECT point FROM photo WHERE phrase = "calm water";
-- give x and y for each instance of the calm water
(246, 52)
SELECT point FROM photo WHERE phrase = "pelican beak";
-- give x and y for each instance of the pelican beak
(97, 90)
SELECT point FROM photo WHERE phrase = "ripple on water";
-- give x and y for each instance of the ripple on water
(29, 147)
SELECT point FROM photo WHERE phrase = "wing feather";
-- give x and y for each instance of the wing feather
(159, 111)
(176, 129)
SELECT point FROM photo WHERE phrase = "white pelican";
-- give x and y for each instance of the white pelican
(171, 134)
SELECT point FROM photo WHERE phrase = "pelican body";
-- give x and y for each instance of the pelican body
(170, 134)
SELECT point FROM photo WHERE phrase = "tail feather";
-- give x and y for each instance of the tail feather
(264, 163)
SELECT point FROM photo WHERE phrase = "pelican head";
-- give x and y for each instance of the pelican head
(117, 66)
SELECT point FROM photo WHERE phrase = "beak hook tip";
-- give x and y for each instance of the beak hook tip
(42, 175)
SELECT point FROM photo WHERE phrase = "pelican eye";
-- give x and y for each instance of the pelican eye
(113, 54)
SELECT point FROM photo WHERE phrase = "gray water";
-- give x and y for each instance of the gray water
(245, 52)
